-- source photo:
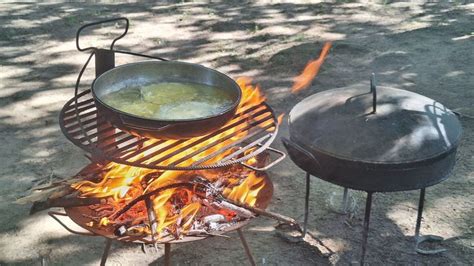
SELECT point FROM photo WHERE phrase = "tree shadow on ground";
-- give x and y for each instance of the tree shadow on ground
(271, 42)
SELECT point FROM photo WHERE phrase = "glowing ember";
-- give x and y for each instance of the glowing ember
(310, 71)
(182, 209)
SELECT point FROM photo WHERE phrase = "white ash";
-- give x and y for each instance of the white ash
(214, 218)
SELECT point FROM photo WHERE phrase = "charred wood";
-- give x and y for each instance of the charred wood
(65, 202)
(276, 216)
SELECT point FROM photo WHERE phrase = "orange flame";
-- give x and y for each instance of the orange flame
(166, 217)
(122, 183)
(247, 191)
(251, 95)
(310, 71)
(117, 182)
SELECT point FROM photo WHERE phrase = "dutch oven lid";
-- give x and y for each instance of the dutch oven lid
(406, 127)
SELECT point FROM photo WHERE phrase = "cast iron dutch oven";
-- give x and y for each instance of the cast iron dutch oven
(408, 143)
(148, 72)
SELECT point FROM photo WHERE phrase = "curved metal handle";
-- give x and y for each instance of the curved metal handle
(53, 215)
(131, 124)
(127, 23)
(292, 145)
(76, 92)
(142, 55)
(281, 155)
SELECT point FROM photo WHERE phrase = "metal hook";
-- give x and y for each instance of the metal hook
(373, 90)
(78, 33)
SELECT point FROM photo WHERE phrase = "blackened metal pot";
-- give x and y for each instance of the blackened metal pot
(377, 140)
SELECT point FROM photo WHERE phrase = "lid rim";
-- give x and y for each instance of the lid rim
(387, 163)
(338, 145)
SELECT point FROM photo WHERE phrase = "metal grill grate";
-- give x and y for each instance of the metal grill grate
(224, 147)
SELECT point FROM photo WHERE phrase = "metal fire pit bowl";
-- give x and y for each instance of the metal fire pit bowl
(77, 215)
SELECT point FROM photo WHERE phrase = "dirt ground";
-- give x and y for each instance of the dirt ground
(426, 48)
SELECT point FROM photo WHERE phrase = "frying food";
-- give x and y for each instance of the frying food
(170, 101)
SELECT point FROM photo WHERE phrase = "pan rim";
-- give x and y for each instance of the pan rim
(230, 108)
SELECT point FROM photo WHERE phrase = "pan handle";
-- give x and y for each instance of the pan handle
(291, 147)
(131, 124)
(281, 156)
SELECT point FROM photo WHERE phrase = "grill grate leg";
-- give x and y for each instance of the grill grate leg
(430, 238)
(104, 61)
(365, 233)
(105, 255)
(306, 205)
(246, 247)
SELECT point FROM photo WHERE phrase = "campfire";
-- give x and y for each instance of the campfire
(143, 202)
(148, 205)
(194, 203)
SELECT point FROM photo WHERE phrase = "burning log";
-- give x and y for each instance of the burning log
(43, 193)
(134, 230)
(242, 212)
(65, 202)
(148, 195)
(265, 213)
(60, 188)
(202, 232)
(151, 217)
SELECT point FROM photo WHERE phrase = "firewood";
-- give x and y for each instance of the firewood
(241, 212)
(65, 202)
(61, 188)
(134, 230)
(151, 218)
(202, 232)
(148, 195)
(276, 216)
(216, 218)
(38, 196)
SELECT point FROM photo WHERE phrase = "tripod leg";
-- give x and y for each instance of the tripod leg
(365, 233)
(420, 239)
(246, 247)
(306, 204)
(105, 255)
(167, 254)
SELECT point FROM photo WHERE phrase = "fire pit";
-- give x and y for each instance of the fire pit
(190, 209)
(161, 191)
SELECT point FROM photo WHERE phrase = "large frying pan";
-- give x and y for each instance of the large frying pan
(147, 72)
